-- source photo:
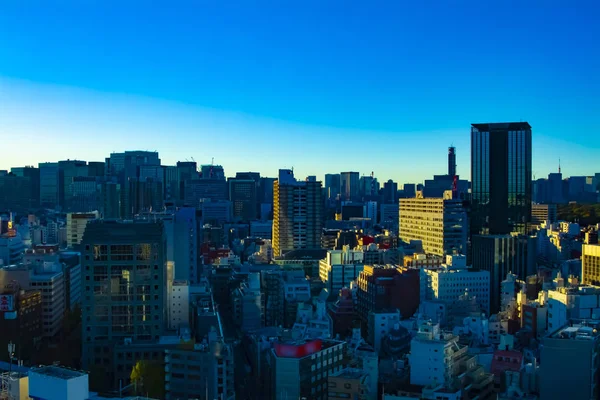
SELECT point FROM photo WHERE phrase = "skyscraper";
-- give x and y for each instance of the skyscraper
(332, 186)
(124, 297)
(501, 177)
(242, 194)
(49, 182)
(297, 210)
(34, 183)
(451, 160)
(349, 186)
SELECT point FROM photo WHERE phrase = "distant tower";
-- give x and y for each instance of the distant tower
(451, 161)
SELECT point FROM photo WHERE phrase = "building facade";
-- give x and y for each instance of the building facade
(297, 214)
(124, 294)
(501, 178)
(440, 224)
(590, 264)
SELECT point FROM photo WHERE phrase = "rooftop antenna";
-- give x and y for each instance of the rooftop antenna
(559, 165)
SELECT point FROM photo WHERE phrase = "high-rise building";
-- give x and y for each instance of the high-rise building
(85, 194)
(501, 254)
(212, 172)
(390, 192)
(34, 183)
(110, 200)
(249, 304)
(332, 187)
(451, 160)
(21, 320)
(14, 193)
(68, 171)
(440, 224)
(501, 177)
(124, 296)
(49, 183)
(242, 194)
(297, 214)
(349, 186)
(590, 264)
(368, 187)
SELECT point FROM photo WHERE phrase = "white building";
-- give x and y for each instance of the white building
(566, 303)
(432, 356)
(76, 223)
(56, 383)
(179, 305)
(448, 282)
(340, 267)
(380, 325)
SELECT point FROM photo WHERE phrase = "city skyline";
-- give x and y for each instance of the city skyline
(297, 86)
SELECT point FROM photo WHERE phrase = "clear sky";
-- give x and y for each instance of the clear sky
(323, 86)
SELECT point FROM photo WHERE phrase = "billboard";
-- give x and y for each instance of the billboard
(6, 302)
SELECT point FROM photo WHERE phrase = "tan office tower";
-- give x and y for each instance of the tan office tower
(590, 264)
(439, 223)
(297, 213)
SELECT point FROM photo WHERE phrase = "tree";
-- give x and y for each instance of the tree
(149, 379)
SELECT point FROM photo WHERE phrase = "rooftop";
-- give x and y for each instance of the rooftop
(512, 126)
(58, 372)
(576, 332)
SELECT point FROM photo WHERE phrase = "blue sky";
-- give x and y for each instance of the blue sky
(322, 86)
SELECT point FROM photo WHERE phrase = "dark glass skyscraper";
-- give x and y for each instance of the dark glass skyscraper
(501, 177)
(452, 161)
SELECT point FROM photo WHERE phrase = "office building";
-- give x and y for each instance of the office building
(211, 171)
(49, 278)
(206, 371)
(110, 200)
(86, 194)
(340, 267)
(332, 187)
(440, 224)
(21, 321)
(387, 287)
(300, 369)
(200, 189)
(242, 194)
(390, 192)
(570, 355)
(349, 186)
(368, 187)
(124, 296)
(96, 169)
(501, 254)
(590, 264)
(451, 161)
(185, 245)
(14, 193)
(49, 184)
(215, 212)
(76, 223)
(543, 213)
(34, 183)
(450, 281)
(68, 171)
(501, 178)
(297, 214)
